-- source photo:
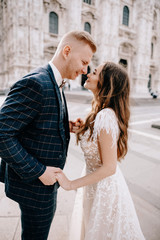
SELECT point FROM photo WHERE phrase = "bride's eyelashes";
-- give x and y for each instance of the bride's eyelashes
(95, 71)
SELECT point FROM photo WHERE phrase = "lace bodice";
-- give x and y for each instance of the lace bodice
(105, 120)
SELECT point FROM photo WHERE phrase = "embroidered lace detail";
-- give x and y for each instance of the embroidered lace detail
(109, 212)
(112, 214)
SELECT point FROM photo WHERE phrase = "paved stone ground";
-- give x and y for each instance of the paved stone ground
(141, 169)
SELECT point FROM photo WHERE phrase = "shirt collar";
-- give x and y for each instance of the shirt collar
(57, 74)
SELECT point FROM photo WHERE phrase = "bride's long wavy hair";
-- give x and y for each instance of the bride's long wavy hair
(113, 90)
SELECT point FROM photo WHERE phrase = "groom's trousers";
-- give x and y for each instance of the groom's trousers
(36, 222)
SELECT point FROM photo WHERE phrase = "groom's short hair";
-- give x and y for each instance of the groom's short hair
(81, 36)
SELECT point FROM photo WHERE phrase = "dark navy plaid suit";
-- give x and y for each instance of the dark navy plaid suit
(33, 134)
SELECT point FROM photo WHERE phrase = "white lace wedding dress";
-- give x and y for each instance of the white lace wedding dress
(107, 211)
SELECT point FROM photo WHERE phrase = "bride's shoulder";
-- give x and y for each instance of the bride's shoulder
(106, 120)
(106, 113)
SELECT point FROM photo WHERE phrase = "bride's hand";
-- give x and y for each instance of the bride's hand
(75, 126)
(63, 181)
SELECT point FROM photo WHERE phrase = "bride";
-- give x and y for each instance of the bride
(108, 209)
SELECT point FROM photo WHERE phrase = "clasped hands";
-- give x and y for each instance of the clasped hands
(52, 175)
(75, 126)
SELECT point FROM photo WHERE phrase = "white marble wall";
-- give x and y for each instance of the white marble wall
(22, 43)
(25, 41)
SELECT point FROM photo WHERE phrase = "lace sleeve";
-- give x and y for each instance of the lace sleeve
(106, 120)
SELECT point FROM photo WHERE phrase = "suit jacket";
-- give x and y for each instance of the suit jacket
(33, 135)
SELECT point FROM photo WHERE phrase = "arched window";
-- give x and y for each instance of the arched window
(87, 1)
(53, 23)
(126, 15)
(152, 50)
(123, 62)
(87, 27)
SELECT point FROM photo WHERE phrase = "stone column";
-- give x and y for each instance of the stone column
(22, 41)
(4, 48)
(73, 16)
(143, 43)
(107, 34)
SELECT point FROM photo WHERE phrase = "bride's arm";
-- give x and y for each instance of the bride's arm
(108, 154)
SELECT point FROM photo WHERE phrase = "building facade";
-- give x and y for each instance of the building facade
(126, 31)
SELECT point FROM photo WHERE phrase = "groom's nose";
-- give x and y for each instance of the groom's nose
(84, 70)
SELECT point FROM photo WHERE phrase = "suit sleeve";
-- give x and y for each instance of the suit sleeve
(21, 106)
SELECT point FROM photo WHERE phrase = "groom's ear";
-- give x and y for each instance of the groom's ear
(66, 51)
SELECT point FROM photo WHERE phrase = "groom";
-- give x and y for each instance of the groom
(34, 133)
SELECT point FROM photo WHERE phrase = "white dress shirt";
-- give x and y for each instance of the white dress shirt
(58, 77)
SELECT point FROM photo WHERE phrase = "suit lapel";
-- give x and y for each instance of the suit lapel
(67, 130)
(65, 105)
(59, 99)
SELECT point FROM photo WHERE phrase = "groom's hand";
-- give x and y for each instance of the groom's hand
(49, 176)
(75, 126)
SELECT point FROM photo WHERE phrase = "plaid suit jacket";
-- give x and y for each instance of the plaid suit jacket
(33, 135)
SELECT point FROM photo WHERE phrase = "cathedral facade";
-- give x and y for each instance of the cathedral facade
(126, 32)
